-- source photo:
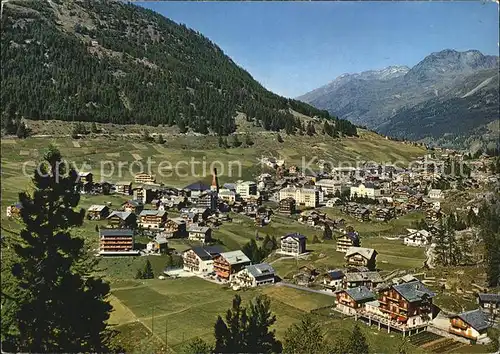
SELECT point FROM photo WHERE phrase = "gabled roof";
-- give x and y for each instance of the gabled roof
(260, 270)
(235, 257)
(134, 202)
(475, 318)
(360, 293)
(196, 228)
(152, 213)
(413, 291)
(116, 232)
(486, 297)
(374, 277)
(367, 253)
(295, 235)
(96, 207)
(124, 215)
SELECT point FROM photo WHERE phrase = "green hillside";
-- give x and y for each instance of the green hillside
(109, 61)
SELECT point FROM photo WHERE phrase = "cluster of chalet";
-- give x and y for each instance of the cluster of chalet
(233, 267)
(199, 208)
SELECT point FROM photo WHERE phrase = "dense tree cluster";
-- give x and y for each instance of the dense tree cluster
(257, 253)
(132, 66)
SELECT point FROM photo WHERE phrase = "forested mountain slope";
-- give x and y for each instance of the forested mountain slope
(108, 61)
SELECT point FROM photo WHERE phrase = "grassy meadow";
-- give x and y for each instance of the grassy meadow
(186, 308)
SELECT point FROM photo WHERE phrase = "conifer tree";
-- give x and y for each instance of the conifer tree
(357, 341)
(280, 139)
(148, 270)
(304, 337)
(59, 306)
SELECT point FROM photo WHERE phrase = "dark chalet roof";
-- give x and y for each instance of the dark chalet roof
(486, 297)
(475, 318)
(197, 186)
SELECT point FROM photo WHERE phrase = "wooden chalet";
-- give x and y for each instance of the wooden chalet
(228, 263)
(287, 206)
(122, 219)
(133, 206)
(408, 303)
(347, 240)
(350, 301)
(152, 219)
(385, 214)
(123, 187)
(200, 259)
(490, 303)
(97, 212)
(472, 325)
(147, 192)
(361, 257)
(175, 227)
(198, 233)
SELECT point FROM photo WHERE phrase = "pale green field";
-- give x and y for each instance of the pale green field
(187, 308)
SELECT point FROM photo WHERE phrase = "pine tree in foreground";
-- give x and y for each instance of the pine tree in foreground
(57, 305)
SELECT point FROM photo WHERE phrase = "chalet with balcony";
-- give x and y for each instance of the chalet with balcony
(144, 178)
(385, 214)
(472, 325)
(200, 259)
(408, 303)
(367, 279)
(350, 301)
(116, 242)
(97, 212)
(175, 228)
(198, 233)
(207, 200)
(361, 257)
(349, 239)
(133, 206)
(490, 303)
(287, 206)
(147, 192)
(293, 244)
(122, 219)
(152, 219)
(123, 187)
(254, 275)
(228, 263)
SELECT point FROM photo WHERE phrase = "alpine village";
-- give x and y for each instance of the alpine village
(296, 231)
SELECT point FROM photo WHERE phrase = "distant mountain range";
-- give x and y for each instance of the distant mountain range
(446, 98)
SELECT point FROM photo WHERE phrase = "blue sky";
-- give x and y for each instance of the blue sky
(294, 47)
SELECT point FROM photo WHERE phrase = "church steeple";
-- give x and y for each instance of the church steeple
(215, 182)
